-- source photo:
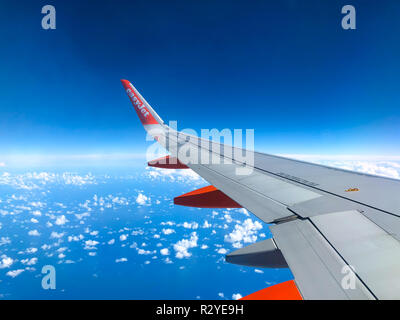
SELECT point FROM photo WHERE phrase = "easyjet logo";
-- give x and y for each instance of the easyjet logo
(137, 103)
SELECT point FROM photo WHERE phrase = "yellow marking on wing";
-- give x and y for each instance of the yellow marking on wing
(352, 189)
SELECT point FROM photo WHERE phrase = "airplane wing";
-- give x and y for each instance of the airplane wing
(338, 231)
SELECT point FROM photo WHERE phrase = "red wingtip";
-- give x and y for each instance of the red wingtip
(140, 106)
(125, 83)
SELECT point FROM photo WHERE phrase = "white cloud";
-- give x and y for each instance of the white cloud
(120, 201)
(77, 180)
(14, 273)
(374, 168)
(246, 232)
(29, 262)
(236, 296)
(237, 245)
(387, 166)
(123, 237)
(182, 246)
(137, 232)
(206, 224)
(75, 238)
(145, 252)
(191, 225)
(112, 241)
(4, 241)
(5, 212)
(167, 260)
(386, 169)
(168, 223)
(244, 211)
(61, 220)
(141, 199)
(164, 252)
(56, 235)
(184, 176)
(82, 215)
(343, 157)
(33, 220)
(121, 260)
(168, 231)
(5, 261)
(228, 218)
(34, 180)
(34, 233)
(37, 213)
(91, 244)
(222, 251)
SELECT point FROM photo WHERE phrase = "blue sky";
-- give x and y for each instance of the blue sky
(285, 68)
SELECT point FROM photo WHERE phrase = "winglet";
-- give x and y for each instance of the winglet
(145, 112)
(206, 197)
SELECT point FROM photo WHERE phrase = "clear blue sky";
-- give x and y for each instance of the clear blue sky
(285, 68)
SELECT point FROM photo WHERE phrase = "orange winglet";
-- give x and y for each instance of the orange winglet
(207, 197)
(283, 291)
(167, 162)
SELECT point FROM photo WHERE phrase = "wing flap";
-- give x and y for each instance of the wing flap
(372, 252)
(316, 267)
